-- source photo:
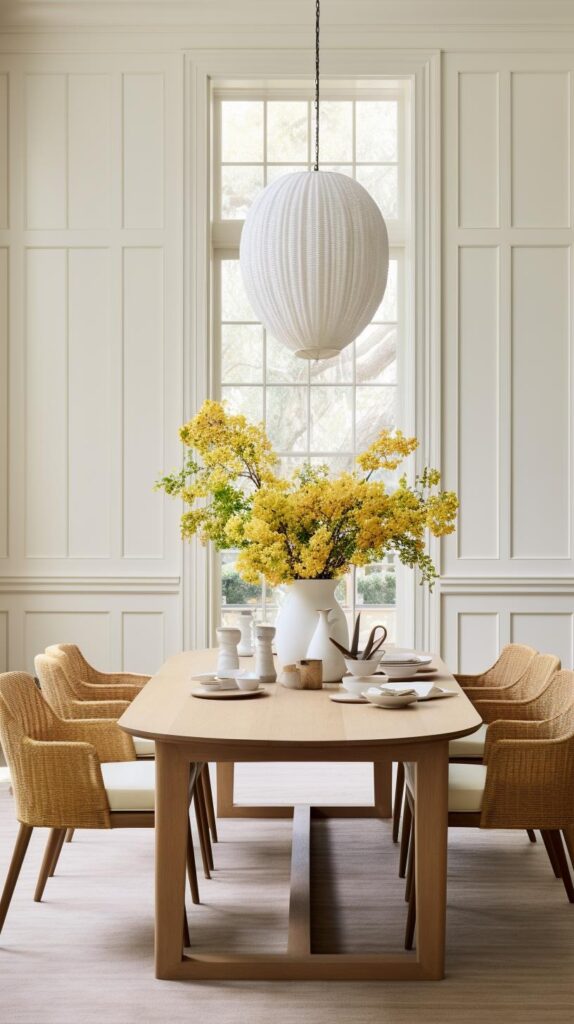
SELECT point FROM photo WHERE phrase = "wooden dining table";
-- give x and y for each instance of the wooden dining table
(284, 725)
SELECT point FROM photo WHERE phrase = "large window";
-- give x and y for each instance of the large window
(327, 411)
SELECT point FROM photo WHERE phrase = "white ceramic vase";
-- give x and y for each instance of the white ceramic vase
(298, 621)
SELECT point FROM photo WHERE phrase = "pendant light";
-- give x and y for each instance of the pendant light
(314, 255)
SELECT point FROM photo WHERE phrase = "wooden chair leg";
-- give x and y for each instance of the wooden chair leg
(49, 854)
(531, 834)
(186, 940)
(405, 836)
(20, 847)
(410, 864)
(551, 852)
(412, 911)
(191, 871)
(558, 847)
(208, 795)
(398, 802)
(201, 804)
(568, 834)
(57, 852)
(201, 834)
(70, 835)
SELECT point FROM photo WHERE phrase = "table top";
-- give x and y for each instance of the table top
(165, 710)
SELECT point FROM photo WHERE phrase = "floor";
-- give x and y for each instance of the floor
(85, 955)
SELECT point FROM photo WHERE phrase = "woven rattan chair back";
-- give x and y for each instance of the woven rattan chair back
(73, 661)
(57, 684)
(24, 717)
(511, 665)
(537, 676)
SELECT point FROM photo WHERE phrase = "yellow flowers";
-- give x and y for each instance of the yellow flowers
(309, 526)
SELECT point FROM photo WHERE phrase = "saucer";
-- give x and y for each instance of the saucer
(229, 694)
(384, 700)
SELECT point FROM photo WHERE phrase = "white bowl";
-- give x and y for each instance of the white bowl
(385, 700)
(399, 671)
(208, 682)
(248, 682)
(356, 684)
(362, 668)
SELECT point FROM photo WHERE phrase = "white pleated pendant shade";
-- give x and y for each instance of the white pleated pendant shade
(315, 257)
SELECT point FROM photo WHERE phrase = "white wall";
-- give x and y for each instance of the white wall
(95, 353)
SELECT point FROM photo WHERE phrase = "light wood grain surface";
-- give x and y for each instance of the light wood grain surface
(165, 709)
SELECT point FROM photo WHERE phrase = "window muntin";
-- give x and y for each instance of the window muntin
(326, 411)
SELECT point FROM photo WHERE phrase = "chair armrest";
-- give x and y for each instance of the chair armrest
(465, 680)
(490, 692)
(134, 679)
(528, 784)
(511, 710)
(62, 786)
(99, 708)
(505, 729)
(109, 741)
(105, 691)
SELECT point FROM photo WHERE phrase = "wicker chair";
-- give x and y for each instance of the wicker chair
(64, 693)
(526, 782)
(534, 679)
(70, 774)
(80, 669)
(510, 666)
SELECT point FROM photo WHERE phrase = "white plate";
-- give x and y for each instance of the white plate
(383, 700)
(405, 659)
(212, 677)
(228, 694)
(347, 698)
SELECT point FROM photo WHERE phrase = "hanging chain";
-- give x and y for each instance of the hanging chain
(317, 17)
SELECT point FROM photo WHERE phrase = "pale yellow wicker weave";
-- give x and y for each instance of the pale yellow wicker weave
(530, 774)
(531, 683)
(80, 670)
(546, 704)
(55, 764)
(513, 661)
(70, 698)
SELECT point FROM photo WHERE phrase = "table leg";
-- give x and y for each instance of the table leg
(383, 788)
(171, 825)
(431, 827)
(225, 785)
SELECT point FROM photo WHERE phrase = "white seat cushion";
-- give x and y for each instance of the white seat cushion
(130, 785)
(144, 748)
(465, 786)
(468, 746)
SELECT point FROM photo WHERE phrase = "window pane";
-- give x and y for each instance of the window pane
(376, 130)
(387, 311)
(234, 591)
(242, 131)
(382, 184)
(275, 171)
(376, 350)
(335, 463)
(234, 301)
(287, 130)
(336, 131)
(382, 617)
(282, 366)
(376, 411)
(338, 370)
(331, 419)
(287, 418)
(239, 186)
(376, 584)
(247, 401)
(241, 354)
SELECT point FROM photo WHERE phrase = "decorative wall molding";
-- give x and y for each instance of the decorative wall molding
(506, 585)
(33, 15)
(90, 584)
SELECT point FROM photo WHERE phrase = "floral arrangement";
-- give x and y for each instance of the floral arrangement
(307, 526)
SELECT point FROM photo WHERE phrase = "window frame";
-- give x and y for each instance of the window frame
(225, 239)
(205, 69)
